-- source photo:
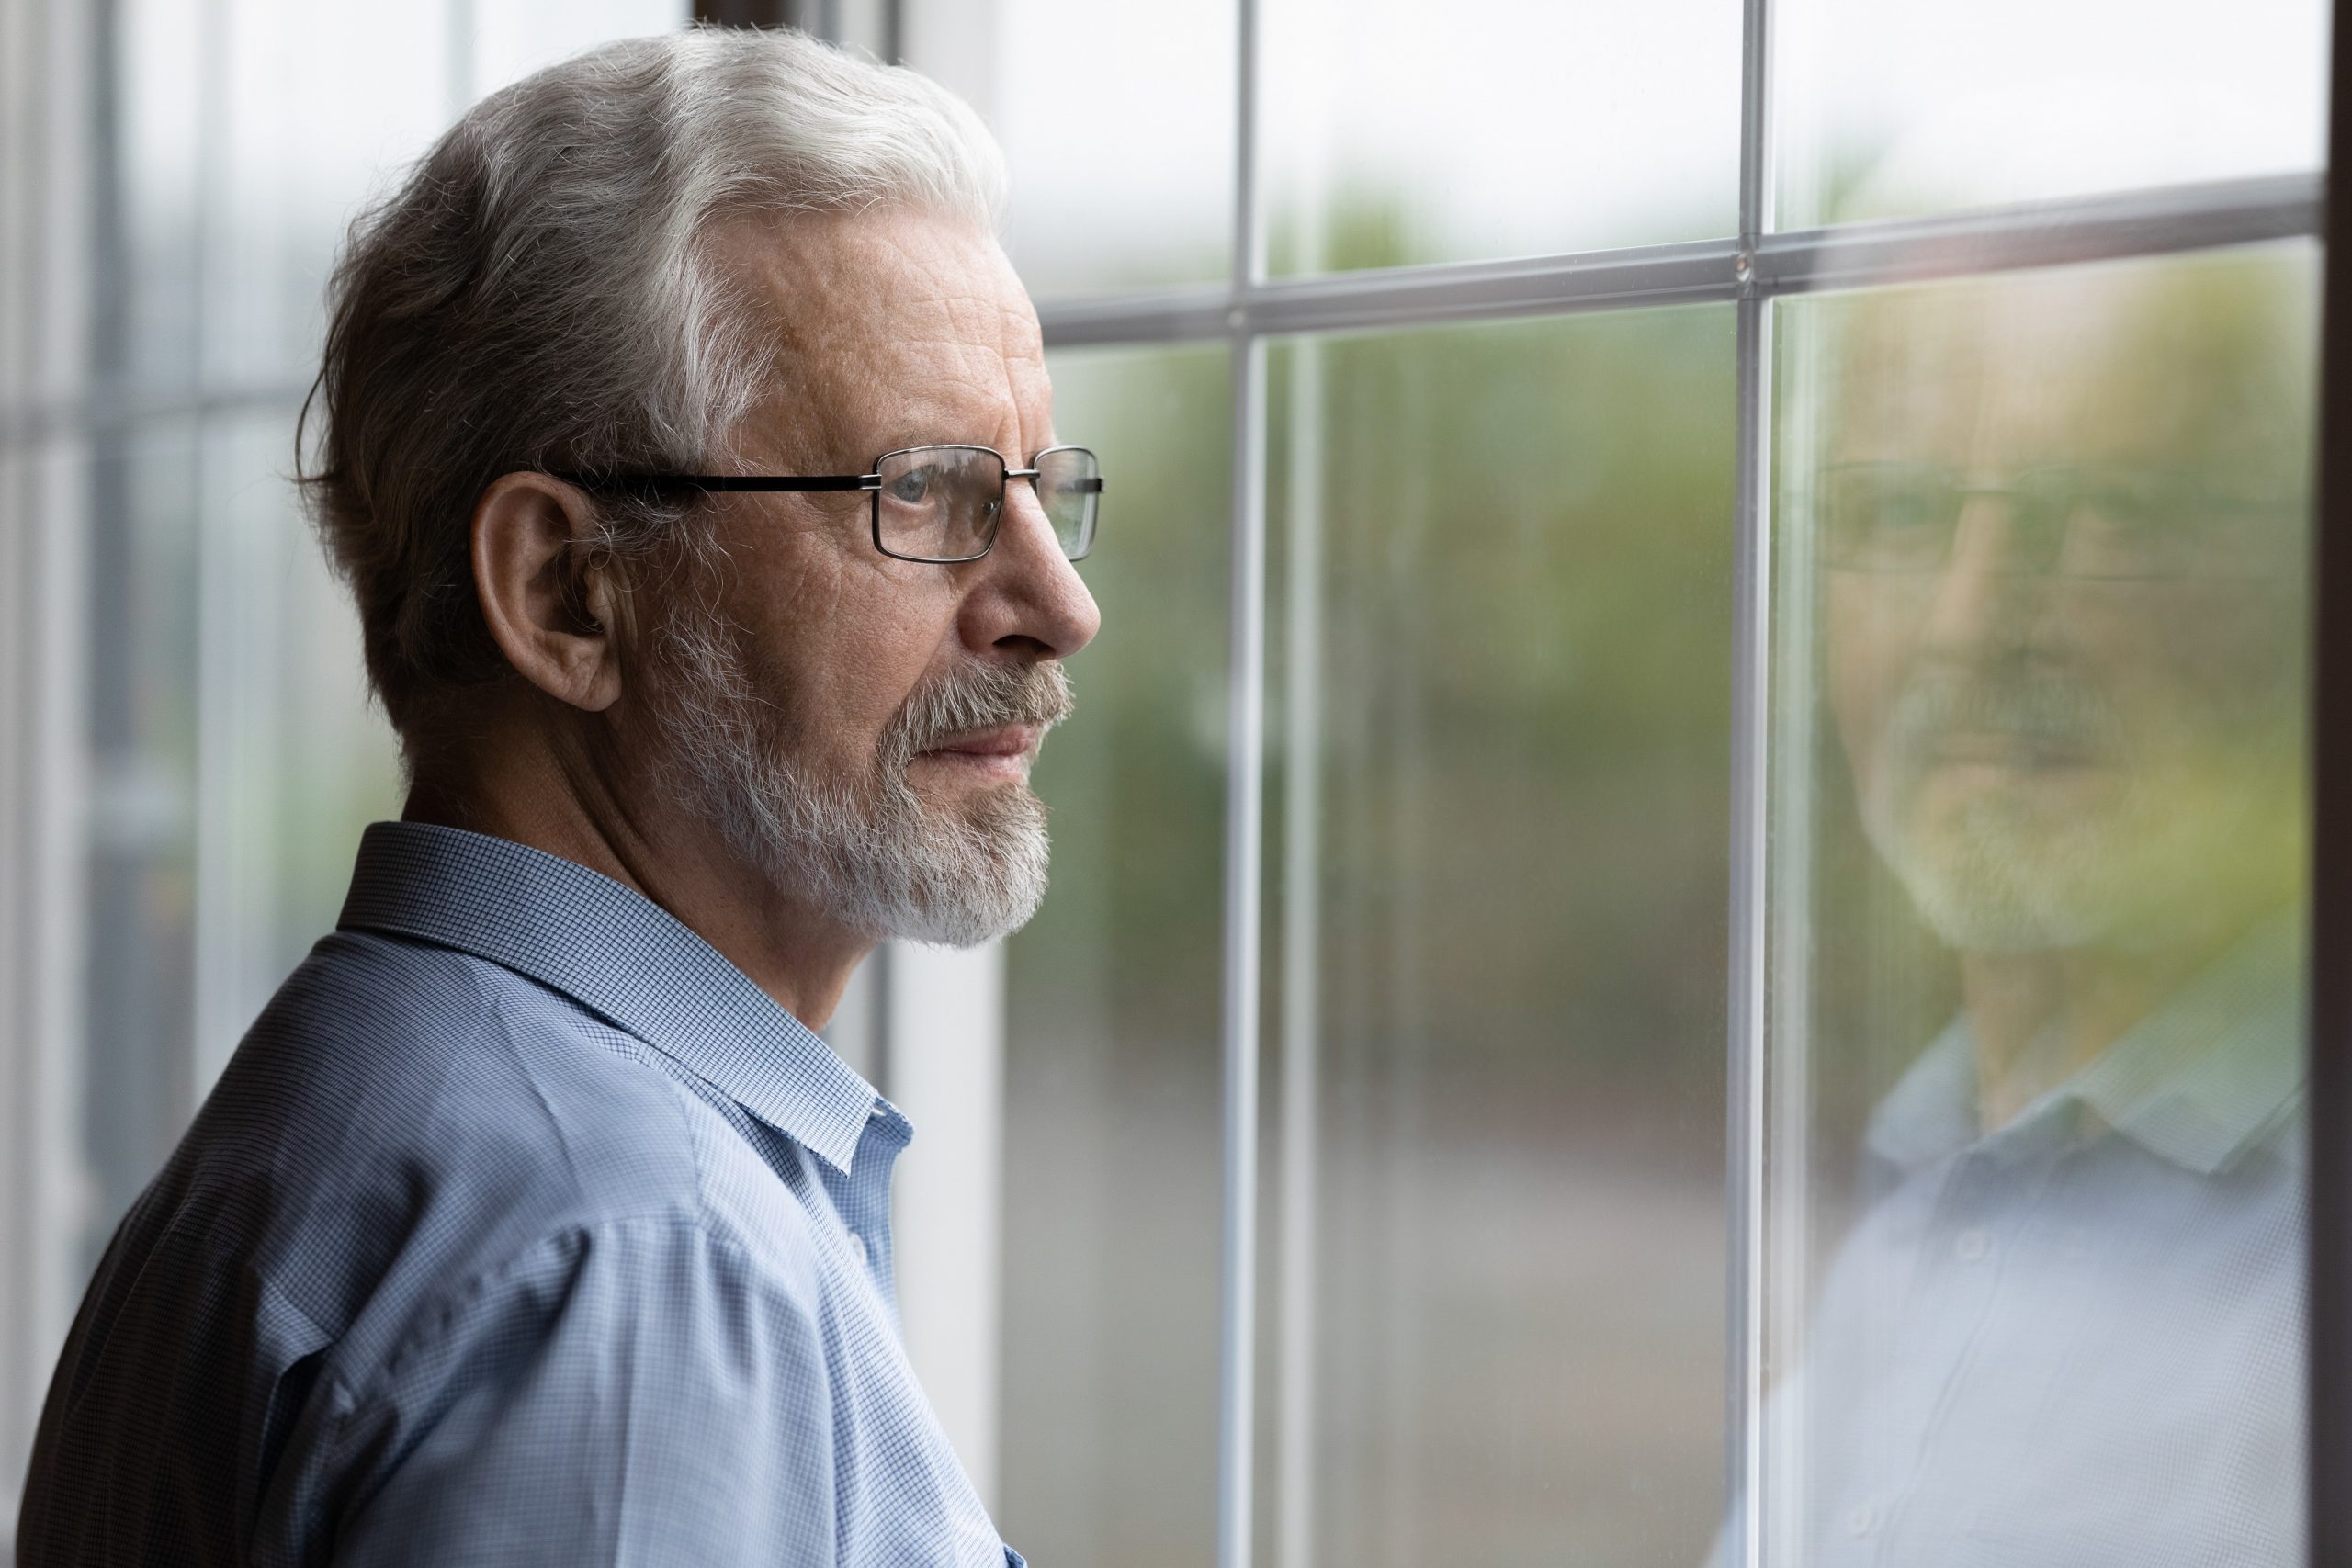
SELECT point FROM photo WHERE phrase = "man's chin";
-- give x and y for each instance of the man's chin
(2058, 796)
(975, 904)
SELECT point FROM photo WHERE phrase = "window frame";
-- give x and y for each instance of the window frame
(2329, 1457)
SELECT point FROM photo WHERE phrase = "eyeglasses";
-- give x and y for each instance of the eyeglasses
(2115, 524)
(942, 504)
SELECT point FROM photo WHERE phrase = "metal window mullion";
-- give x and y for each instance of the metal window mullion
(1301, 955)
(1244, 837)
(2112, 226)
(2330, 1002)
(1751, 667)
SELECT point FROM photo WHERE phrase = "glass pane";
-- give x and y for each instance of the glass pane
(1113, 1138)
(2036, 1149)
(1494, 1202)
(319, 108)
(1897, 110)
(140, 952)
(1117, 125)
(293, 757)
(1510, 127)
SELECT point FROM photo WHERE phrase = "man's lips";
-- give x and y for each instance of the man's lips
(2009, 748)
(1006, 742)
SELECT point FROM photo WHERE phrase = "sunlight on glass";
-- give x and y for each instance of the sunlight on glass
(2036, 1151)
(1896, 110)
(1508, 127)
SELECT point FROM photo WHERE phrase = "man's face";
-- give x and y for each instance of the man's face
(2074, 722)
(862, 728)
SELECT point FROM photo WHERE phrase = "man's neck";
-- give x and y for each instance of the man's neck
(2037, 1019)
(552, 793)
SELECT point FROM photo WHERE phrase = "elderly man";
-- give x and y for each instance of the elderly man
(688, 447)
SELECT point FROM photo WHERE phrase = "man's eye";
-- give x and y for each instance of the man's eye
(1897, 510)
(2130, 510)
(914, 487)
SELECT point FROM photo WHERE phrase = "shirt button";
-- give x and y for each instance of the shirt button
(858, 1242)
(1971, 1246)
(1861, 1520)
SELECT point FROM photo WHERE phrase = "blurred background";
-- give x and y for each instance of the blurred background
(1494, 1213)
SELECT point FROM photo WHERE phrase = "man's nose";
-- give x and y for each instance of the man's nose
(1995, 589)
(1027, 597)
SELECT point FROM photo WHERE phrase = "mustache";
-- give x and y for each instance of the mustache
(2042, 706)
(986, 696)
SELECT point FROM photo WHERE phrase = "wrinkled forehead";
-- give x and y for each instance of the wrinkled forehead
(2163, 364)
(884, 326)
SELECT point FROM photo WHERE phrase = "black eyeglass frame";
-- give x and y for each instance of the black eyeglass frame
(870, 482)
(1957, 492)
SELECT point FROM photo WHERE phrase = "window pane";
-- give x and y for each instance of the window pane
(293, 758)
(319, 108)
(139, 982)
(1510, 127)
(1117, 125)
(1113, 1135)
(1496, 1202)
(2035, 1163)
(1894, 110)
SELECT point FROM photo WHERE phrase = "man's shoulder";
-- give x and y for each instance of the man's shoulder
(406, 1113)
(472, 1059)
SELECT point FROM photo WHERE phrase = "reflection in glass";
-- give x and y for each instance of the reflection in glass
(1899, 110)
(1495, 1184)
(2036, 1151)
(1113, 1141)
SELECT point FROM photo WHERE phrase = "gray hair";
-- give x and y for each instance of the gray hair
(537, 293)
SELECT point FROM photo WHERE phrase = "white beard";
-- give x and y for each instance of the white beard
(2194, 828)
(868, 853)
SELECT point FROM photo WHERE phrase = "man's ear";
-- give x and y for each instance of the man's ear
(551, 600)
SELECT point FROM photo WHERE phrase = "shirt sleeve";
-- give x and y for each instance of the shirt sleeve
(631, 1392)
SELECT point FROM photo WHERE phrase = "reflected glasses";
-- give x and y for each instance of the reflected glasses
(2102, 525)
(942, 504)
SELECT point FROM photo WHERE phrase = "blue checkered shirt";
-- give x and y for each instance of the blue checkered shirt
(523, 1229)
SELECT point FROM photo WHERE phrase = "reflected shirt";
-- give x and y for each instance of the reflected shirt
(2077, 1340)
(522, 1228)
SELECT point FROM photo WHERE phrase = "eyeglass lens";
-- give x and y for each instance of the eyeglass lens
(943, 503)
(1070, 485)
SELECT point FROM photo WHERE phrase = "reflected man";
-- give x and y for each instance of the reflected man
(2060, 530)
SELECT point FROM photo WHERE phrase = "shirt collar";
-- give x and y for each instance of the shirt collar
(619, 955)
(2213, 1073)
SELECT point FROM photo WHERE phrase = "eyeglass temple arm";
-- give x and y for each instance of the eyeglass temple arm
(723, 481)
